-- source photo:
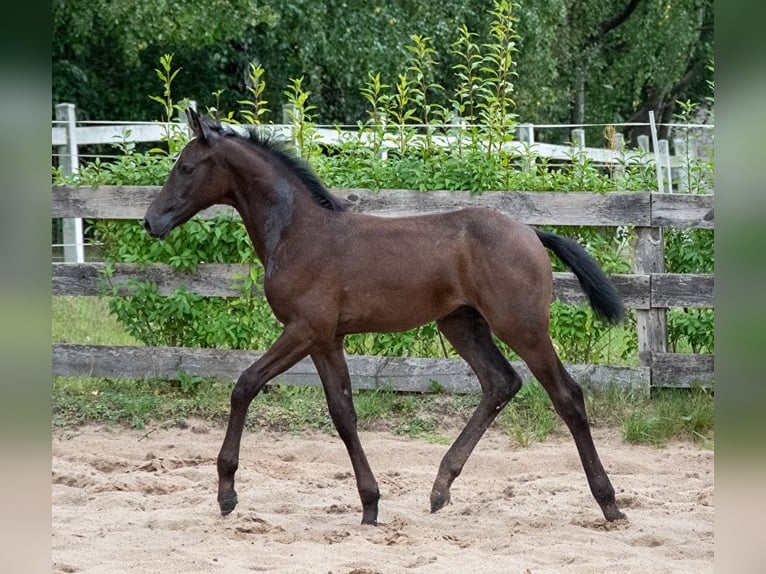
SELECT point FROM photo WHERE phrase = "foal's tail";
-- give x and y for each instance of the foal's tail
(602, 294)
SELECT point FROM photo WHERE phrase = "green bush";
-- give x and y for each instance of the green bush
(475, 164)
(690, 251)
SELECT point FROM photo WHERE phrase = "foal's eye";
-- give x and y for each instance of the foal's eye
(186, 168)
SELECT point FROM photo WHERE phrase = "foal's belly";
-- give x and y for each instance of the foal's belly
(385, 310)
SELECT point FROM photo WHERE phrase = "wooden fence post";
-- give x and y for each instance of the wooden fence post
(651, 323)
(74, 251)
(649, 259)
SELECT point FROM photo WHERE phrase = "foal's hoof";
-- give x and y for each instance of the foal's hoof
(612, 513)
(227, 503)
(439, 501)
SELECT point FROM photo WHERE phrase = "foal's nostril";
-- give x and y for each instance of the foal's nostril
(147, 226)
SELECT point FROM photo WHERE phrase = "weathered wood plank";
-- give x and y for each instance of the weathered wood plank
(682, 290)
(209, 279)
(535, 208)
(367, 372)
(543, 208)
(682, 370)
(112, 202)
(683, 210)
(634, 289)
(217, 280)
(106, 202)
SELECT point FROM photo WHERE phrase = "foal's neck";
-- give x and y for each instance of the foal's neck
(268, 210)
(270, 201)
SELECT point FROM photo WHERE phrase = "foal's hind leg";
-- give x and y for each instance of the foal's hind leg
(333, 371)
(567, 398)
(469, 333)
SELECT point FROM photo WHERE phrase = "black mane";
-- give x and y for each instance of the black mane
(281, 150)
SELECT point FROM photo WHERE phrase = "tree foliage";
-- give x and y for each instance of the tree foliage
(628, 57)
(104, 51)
(593, 61)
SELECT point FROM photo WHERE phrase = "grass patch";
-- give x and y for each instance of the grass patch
(289, 409)
(377, 404)
(669, 414)
(672, 414)
(529, 417)
(136, 403)
(86, 320)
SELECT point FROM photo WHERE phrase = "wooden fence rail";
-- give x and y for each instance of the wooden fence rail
(649, 290)
(68, 135)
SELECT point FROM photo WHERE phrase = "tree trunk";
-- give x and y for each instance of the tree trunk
(578, 106)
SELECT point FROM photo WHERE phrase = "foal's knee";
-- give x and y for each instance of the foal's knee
(246, 388)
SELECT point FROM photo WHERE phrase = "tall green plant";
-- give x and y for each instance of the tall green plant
(421, 65)
(301, 115)
(496, 89)
(173, 133)
(468, 74)
(255, 105)
(691, 250)
(378, 101)
(403, 111)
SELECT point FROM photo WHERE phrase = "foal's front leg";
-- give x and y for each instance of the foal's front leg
(333, 370)
(290, 348)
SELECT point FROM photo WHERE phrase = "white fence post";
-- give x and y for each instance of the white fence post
(578, 144)
(618, 145)
(289, 117)
(686, 156)
(643, 142)
(526, 135)
(664, 152)
(656, 147)
(69, 162)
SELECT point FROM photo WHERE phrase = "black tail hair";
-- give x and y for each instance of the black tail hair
(600, 291)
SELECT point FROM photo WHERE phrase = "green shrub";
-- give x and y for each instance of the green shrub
(476, 164)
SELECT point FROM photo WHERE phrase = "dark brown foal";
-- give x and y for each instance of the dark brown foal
(330, 272)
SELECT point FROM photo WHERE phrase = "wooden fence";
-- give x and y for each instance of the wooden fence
(67, 137)
(648, 290)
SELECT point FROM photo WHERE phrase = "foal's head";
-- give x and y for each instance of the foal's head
(199, 178)
(203, 174)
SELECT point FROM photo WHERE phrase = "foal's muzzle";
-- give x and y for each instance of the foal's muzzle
(154, 232)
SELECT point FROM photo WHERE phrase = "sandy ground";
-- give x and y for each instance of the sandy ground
(144, 502)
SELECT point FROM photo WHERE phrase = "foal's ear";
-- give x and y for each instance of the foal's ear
(193, 120)
(200, 129)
